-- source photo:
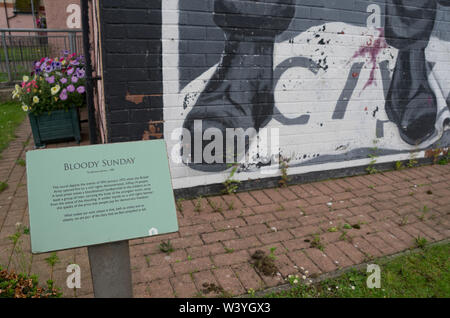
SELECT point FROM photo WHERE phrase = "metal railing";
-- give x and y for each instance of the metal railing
(20, 48)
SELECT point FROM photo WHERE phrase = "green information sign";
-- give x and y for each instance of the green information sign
(97, 194)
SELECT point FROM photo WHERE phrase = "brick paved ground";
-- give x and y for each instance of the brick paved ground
(219, 234)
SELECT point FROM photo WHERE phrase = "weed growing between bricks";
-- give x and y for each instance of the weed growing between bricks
(264, 263)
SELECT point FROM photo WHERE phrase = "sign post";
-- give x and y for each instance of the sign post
(110, 269)
(100, 196)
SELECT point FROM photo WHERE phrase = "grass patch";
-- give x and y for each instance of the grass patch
(17, 73)
(3, 77)
(422, 274)
(11, 116)
(21, 162)
(3, 186)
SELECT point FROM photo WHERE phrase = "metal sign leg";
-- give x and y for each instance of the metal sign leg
(111, 270)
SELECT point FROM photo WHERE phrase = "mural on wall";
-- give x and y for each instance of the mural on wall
(411, 103)
(240, 92)
(335, 84)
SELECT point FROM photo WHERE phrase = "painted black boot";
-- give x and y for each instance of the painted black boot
(410, 102)
(240, 92)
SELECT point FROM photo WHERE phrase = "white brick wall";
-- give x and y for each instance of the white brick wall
(323, 143)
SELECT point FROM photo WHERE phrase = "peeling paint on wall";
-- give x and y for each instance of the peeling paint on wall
(136, 99)
(154, 130)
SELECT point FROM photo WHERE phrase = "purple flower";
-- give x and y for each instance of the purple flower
(50, 79)
(81, 89)
(74, 79)
(66, 52)
(63, 80)
(80, 73)
(56, 65)
(48, 68)
(70, 71)
(71, 88)
(63, 94)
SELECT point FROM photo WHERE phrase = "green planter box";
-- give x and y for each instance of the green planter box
(59, 125)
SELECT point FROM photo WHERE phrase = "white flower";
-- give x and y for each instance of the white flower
(295, 281)
(35, 99)
(25, 108)
(55, 89)
(25, 78)
(304, 277)
(329, 288)
(306, 272)
(353, 287)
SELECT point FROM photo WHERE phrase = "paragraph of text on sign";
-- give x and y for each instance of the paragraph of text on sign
(85, 201)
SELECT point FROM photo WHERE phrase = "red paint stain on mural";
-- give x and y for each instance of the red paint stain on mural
(371, 50)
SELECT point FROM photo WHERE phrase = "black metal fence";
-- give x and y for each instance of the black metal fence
(19, 48)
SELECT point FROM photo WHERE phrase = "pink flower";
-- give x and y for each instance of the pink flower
(81, 89)
(71, 88)
(50, 79)
(63, 94)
